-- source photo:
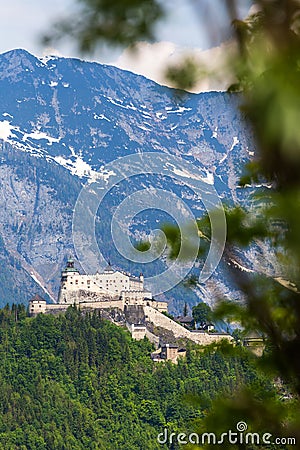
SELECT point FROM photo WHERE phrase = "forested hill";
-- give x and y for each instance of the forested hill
(74, 382)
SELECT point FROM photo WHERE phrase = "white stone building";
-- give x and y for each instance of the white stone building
(108, 289)
(113, 289)
(110, 284)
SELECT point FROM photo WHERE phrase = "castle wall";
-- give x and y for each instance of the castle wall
(55, 308)
(135, 284)
(107, 283)
(202, 338)
(138, 332)
(152, 338)
(135, 297)
(103, 304)
(160, 320)
(69, 297)
(160, 306)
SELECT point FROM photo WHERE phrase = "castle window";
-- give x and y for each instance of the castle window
(88, 281)
(76, 281)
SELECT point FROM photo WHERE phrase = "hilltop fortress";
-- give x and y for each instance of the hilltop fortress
(118, 295)
(108, 289)
(115, 287)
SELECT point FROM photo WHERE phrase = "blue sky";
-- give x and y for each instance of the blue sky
(22, 23)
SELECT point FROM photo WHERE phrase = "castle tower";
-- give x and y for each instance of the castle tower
(109, 268)
(70, 266)
(142, 280)
(37, 305)
(68, 271)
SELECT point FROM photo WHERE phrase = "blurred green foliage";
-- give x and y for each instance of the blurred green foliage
(118, 23)
(267, 71)
(143, 246)
(185, 74)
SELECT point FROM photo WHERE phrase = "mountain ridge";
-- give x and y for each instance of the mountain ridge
(71, 118)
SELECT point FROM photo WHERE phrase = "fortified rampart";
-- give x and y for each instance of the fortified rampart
(118, 291)
(199, 337)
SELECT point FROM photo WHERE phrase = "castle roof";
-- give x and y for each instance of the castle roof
(108, 268)
(253, 335)
(185, 319)
(37, 298)
(70, 266)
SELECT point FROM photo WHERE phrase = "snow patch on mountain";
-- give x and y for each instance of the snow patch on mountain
(179, 110)
(40, 135)
(77, 167)
(101, 117)
(5, 130)
(241, 267)
(209, 178)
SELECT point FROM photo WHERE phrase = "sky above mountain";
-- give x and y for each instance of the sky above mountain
(185, 30)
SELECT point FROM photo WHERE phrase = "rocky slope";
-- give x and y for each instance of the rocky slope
(61, 121)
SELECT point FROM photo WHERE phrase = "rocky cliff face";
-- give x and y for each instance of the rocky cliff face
(35, 224)
(61, 121)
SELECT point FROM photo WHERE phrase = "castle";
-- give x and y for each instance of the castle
(108, 289)
(123, 299)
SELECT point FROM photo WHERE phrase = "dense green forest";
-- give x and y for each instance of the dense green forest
(76, 381)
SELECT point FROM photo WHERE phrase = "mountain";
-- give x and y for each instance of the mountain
(61, 122)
